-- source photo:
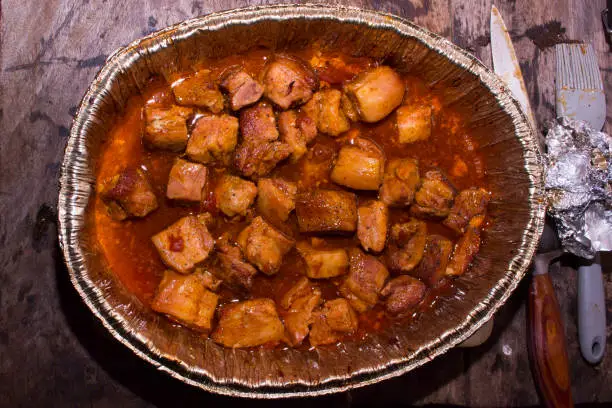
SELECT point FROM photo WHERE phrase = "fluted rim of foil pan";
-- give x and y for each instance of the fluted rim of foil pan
(76, 190)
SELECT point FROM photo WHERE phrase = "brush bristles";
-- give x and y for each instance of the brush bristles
(577, 67)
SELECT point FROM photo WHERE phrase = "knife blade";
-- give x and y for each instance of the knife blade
(505, 63)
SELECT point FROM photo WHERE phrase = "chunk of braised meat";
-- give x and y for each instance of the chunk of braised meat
(326, 109)
(234, 195)
(276, 198)
(199, 90)
(372, 224)
(186, 181)
(242, 88)
(248, 324)
(264, 246)
(406, 245)
(435, 197)
(166, 127)
(335, 319)
(297, 130)
(403, 294)
(359, 166)
(184, 244)
(299, 303)
(376, 93)
(468, 204)
(326, 211)
(289, 81)
(466, 248)
(185, 298)
(210, 281)
(413, 123)
(316, 166)
(213, 139)
(366, 278)
(435, 260)
(258, 124)
(233, 269)
(128, 194)
(348, 107)
(323, 263)
(400, 182)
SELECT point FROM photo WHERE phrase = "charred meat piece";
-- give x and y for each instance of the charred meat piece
(413, 123)
(264, 246)
(184, 298)
(199, 90)
(406, 245)
(316, 166)
(326, 211)
(276, 198)
(372, 222)
(128, 194)
(435, 197)
(400, 182)
(466, 248)
(435, 259)
(297, 130)
(248, 324)
(233, 269)
(403, 294)
(184, 244)
(258, 124)
(326, 107)
(289, 82)
(359, 168)
(335, 319)
(166, 128)
(468, 204)
(376, 93)
(300, 301)
(186, 181)
(323, 263)
(213, 139)
(242, 88)
(367, 276)
(234, 195)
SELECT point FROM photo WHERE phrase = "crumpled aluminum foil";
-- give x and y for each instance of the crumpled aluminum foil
(579, 186)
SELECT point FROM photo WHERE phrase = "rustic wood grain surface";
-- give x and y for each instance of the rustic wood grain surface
(53, 352)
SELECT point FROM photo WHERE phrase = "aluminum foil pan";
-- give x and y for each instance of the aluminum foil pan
(506, 141)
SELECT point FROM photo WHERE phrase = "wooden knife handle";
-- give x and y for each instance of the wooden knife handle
(547, 348)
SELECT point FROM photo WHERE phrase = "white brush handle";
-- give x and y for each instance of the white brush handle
(591, 312)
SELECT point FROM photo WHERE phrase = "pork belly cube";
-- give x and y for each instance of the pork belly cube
(258, 124)
(210, 280)
(166, 127)
(400, 182)
(234, 195)
(372, 222)
(300, 301)
(184, 244)
(403, 294)
(297, 130)
(326, 211)
(248, 324)
(366, 278)
(435, 260)
(289, 81)
(349, 108)
(376, 93)
(128, 194)
(335, 319)
(242, 88)
(466, 248)
(234, 270)
(413, 123)
(406, 247)
(213, 139)
(185, 298)
(276, 198)
(259, 159)
(358, 169)
(186, 181)
(199, 90)
(323, 263)
(468, 204)
(435, 197)
(264, 246)
(316, 166)
(331, 119)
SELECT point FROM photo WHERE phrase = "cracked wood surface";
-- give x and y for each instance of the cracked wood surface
(52, 350)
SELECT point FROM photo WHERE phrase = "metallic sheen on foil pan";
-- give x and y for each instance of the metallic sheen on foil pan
(578, 186)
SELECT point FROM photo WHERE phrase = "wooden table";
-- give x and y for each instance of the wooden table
(54, 353)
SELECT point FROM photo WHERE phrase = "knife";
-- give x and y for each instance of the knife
(546, 339)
